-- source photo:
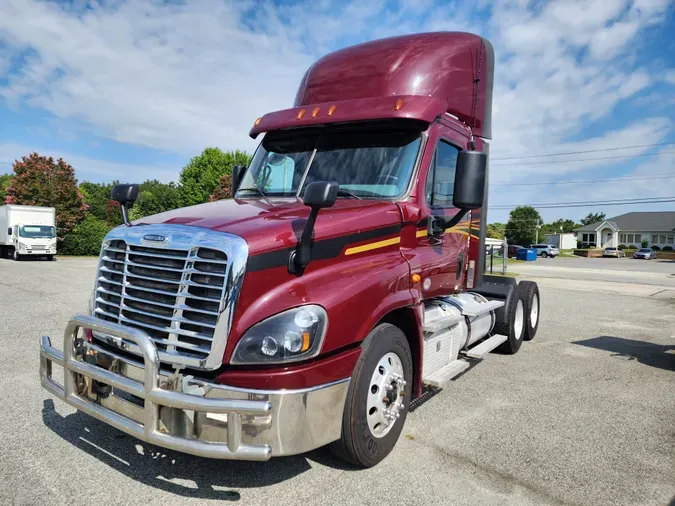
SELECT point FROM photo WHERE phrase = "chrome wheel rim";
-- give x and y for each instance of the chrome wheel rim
(386, 392)
(518, 320)
(534, 311)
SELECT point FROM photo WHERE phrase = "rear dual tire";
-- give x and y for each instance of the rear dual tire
(514, 326)
(522, 317)
(530, 292)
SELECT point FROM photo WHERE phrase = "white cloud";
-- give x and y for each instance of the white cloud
(87, 168)
(178, 77)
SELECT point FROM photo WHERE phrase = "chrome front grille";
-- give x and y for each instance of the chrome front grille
(175, 290)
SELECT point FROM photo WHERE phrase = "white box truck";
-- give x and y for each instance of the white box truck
(27, 231)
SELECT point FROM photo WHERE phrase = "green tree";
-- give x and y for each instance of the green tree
(155, 197)
(97, 197)
(522, 225)
(41, 181)
(201, 177)
(554, 227)
(5, 181)
(85, 238)
(496, 230)
(592, 218)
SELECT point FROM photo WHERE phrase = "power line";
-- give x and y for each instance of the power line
(583, 159)
(587, 151)
(581, 181)
(558, 205)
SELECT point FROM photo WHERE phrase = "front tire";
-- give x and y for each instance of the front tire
(16, 256)
(377, 400)
(514, 327)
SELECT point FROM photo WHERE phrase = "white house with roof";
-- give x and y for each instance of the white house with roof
(630, 229)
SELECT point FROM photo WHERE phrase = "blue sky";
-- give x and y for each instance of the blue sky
(131, 90)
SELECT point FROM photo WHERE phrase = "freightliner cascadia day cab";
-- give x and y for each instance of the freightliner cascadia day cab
(341, 286)
(27, 231)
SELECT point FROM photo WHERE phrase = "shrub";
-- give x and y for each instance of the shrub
(667, 248)
(656, 248)
(86, 238)
(645, 243)
(622, 246)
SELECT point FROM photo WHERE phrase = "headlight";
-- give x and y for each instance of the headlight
(296, 334)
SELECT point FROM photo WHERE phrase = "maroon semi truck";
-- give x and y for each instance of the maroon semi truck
(340, 286)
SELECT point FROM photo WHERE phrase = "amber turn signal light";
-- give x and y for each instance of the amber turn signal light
(416, 278)
(398, 104)
(305, 341)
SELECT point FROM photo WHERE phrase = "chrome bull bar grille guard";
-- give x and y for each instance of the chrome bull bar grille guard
(154, 397)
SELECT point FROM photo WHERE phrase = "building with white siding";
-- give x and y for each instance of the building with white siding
(656, 228)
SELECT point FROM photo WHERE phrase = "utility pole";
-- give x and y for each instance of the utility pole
(536, 240)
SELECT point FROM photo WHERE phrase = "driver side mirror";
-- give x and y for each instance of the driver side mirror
(237, 174)
(9, 231)
(469, 191)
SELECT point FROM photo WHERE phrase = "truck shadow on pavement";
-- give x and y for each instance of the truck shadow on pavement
(655, 355)
(167, 470)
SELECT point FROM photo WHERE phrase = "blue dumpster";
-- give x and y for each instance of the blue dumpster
(526, 254)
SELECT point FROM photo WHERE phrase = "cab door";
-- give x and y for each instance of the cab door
(442, 259)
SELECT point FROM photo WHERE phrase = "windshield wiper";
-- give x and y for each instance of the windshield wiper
(254, 189)
(346, 193)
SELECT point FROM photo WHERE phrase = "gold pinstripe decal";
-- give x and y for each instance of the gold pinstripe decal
(459, 229)
(372, 245)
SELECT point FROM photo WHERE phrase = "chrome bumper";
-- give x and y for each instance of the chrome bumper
(183, 413)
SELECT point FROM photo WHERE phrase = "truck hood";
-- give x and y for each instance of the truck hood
(276, 223)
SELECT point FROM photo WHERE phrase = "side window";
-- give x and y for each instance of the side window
(441, 178)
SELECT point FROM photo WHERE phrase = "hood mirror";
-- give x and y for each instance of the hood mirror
(126, 195)
(318, 195)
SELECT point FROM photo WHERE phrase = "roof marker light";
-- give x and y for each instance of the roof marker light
(315, 112)
(257, 122)
(398, 104)
(301, 113)
(331, 110)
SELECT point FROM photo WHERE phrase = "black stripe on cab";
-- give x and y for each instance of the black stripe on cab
(321, 250)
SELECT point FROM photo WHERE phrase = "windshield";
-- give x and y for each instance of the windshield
(367, 164)
(645, 250)
(37, 231)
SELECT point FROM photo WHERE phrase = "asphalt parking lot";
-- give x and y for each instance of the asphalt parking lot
(584, 414)
(660, 272)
